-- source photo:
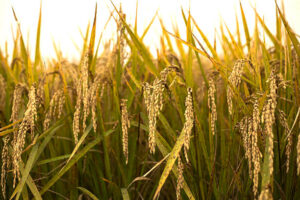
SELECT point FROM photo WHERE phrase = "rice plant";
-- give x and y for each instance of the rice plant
(187, 123)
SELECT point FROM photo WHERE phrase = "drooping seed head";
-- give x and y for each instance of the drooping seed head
(283, 121)
(212, 105)
(153, 97)
(93, 101)
(256, 154)
(234, 79)
(3, 92)
(180, 178)
(268, 118)
(5, 164)
(55, 108)
(76, 118)
(85, 90)
(125, 125)
(298, 156)
(189, 120)
(17, 99)
(28, 123)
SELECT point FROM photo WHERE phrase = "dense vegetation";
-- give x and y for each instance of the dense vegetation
(124, 123)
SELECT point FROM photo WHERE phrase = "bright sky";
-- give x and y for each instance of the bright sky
(62, 20)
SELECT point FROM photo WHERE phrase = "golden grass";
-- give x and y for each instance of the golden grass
(113, 125)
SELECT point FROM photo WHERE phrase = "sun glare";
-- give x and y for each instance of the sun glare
(64, 22)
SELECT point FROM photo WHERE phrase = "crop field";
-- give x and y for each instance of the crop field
(189, 122)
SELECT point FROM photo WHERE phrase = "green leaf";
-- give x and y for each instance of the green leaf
(148, 27)
(37, 45)
(170, 162)
(86, 132)
(92, 38)
(163, 147)
(246, 30)
(25, 174)
(73, 161)
(46, 161)
(208, 44)
(87, 192)
(268, 32)
(139, 45)
(290, 32)
(125, 194)
(33, 188)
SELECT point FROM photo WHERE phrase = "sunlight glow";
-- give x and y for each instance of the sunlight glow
(62, 20)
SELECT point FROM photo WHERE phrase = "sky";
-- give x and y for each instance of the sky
(64, 20)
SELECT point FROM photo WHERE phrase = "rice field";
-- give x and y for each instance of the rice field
(122, 123)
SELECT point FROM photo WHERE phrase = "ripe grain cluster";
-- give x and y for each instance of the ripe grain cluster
(118, 123)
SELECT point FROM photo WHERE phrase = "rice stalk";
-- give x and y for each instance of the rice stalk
(298, 155)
